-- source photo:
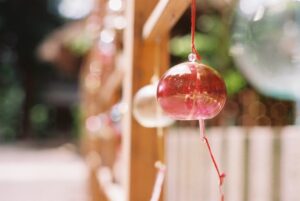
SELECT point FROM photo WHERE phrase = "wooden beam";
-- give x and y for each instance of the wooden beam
(163, 17)
(139, 143)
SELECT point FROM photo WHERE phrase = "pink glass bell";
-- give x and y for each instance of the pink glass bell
(191, 91)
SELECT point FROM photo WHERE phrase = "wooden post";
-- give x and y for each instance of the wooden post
(147, 21)
(140, 144)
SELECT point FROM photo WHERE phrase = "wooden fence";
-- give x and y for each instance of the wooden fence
(261, 164)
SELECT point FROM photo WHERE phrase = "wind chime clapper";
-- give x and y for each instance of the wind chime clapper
(193, 91)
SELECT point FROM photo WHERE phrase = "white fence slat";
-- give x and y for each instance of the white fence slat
(172, 157)
(290, 164)
(183, 165)
(258, 167)
(197, 169)
(235, 165)
(260, 164)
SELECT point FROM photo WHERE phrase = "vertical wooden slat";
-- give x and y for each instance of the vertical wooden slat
(276, 164)
(260, 164)
(171, 160)
(235, 165)
(139, 145)
(183, 165)
(290, 166)
(198, 166)
(246, 169)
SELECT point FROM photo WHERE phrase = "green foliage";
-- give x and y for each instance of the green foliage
(11, 98)
(234, 81)
(77, 118)
(181, 45)
(39, 117)
(213, 44)
(81, 44)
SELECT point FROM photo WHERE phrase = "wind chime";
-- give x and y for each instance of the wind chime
(187, 91)
(193, 91)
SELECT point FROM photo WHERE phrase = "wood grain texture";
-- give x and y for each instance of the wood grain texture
(163, 18)
(139, 143)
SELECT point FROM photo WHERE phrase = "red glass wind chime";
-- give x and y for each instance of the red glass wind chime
(193, 91)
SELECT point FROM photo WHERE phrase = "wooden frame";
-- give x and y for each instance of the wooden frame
(147, 21)
(163, 17)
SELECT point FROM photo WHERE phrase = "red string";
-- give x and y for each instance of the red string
(193, 23)
(220, 175)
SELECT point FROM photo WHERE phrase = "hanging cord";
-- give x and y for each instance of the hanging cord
(193, 25)
(220, 175)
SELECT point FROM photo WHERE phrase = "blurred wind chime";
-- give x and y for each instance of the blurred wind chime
(193, 91)
(148, 113)
(101, 79)
(101, 59)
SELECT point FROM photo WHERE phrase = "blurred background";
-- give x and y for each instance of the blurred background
(61, 73)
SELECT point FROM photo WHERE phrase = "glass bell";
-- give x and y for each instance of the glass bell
(266, 45)
(191, 91)
(146, 110)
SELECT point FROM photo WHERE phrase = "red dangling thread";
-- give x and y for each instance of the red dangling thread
(220, 175)
(193, 25)
(201, 121)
